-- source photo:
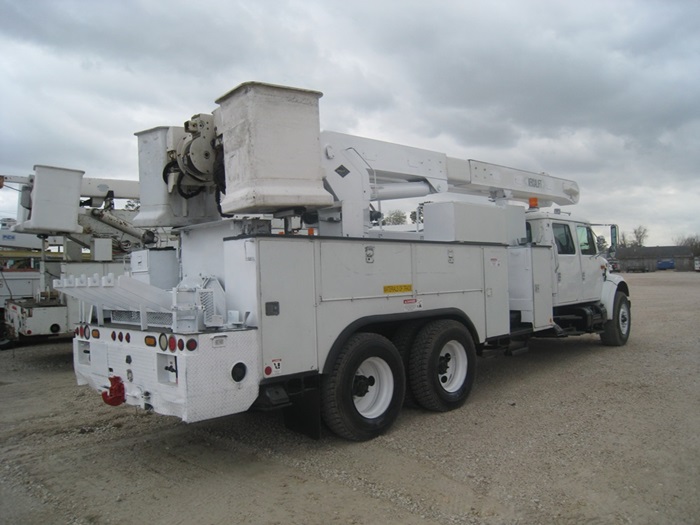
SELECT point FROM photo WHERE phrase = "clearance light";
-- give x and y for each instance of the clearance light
(150, 340)
(172, 343)
(191, 344)
(95, 333)
(127, 337)
(114, 335)
(533, 203)
(120, 337)
(163, 342)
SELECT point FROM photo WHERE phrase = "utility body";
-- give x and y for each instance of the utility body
(348, 321)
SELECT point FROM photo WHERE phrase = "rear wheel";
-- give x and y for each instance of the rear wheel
(403, 341)
(442, 365)
(362, 396)
(617, 329)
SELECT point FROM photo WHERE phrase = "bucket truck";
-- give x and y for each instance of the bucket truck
(56, 226)
(342, 325)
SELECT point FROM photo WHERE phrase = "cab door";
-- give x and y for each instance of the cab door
(567, 265)
(592, 266)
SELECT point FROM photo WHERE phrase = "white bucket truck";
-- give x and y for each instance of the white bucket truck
(71, 225)
(341, 324)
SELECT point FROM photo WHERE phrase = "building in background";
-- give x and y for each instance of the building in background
(653, 258)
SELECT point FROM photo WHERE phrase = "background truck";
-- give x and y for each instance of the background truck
(346, 323)
(96, 237)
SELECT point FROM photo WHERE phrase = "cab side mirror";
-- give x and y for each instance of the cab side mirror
(613, 239)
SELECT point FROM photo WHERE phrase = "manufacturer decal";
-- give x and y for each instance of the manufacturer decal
(534, 183)
(342, 171)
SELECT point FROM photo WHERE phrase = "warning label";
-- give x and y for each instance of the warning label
(276, 366)
(410, 305)
(398, 288)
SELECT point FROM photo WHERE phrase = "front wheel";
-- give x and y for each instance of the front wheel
(362, 396)
(617, 330)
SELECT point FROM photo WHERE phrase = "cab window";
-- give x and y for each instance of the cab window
(563, 239)
(586, 240)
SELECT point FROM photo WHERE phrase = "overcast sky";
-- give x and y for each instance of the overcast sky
(606, 93)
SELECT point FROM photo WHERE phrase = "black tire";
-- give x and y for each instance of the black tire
(357, 406)
(403, 341)
(617, 330)
(442, 365)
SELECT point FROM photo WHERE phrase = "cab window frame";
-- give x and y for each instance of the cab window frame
(586, 240)
(563, 239)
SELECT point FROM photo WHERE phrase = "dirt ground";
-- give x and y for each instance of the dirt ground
(569, 432)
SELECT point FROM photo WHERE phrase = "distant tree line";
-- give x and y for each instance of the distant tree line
(639, 236)
(394, 217)
(636, 239)
(690, 240)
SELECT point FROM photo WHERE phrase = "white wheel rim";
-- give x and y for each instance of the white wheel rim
(378, 397)
(624, 318)
(455, 375)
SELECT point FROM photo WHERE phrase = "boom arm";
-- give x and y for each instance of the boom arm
(359, 170)
(395, 171)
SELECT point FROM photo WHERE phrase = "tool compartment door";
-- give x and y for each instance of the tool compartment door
(496, 291)
(287, 306)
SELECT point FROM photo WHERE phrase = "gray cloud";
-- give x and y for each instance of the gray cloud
(602, 92)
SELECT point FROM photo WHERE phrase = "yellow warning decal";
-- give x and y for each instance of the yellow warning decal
(398, 288)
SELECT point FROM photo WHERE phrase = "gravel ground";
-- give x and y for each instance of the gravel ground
(569, 432)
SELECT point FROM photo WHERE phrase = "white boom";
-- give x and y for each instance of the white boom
(395, 171)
